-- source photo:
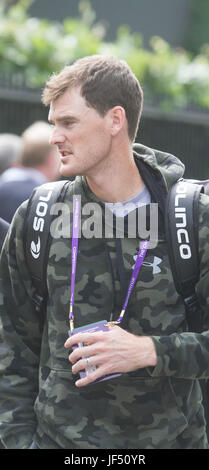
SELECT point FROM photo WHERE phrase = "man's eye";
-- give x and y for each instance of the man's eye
(68, 123)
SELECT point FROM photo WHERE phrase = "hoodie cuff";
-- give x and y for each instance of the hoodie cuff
(167, 352)
(18, 440)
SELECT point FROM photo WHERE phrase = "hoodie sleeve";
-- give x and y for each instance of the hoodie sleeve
(20, 337)
(186, 355)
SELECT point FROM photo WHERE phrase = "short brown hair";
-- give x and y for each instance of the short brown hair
(105, 82)
(36, 144)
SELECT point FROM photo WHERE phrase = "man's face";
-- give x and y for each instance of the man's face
(82, 136)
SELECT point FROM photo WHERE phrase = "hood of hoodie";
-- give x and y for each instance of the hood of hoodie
(170, 167)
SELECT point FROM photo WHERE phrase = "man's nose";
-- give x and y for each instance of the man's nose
(56, 137)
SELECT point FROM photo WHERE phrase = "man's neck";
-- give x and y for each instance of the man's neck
(118, 184)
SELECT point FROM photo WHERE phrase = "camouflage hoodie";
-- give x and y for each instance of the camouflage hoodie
(150, 408)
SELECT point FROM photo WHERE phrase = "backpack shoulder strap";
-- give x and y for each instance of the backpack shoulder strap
(37, 237)
(4, 227)
(181, 224)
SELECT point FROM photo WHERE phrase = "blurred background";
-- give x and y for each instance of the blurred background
(166, 43)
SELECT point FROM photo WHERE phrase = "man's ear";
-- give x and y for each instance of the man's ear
(118, 119)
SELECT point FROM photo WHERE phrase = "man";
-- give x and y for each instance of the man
(154, 400)
(38, 164)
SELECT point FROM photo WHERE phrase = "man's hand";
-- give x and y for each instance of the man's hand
(111, 352)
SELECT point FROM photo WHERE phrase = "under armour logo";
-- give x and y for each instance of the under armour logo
(154, 265)
(35, 248)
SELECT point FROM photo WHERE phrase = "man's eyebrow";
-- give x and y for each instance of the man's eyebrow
(66, 117)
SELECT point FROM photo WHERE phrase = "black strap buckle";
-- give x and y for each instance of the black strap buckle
(191, 303)
(193, 313)
(38, 301)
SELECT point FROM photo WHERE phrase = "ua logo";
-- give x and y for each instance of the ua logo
(154, 265)
(35, 248)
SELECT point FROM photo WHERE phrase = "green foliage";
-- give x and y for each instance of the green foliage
(31, 49)
(198, 31)
(35, 48)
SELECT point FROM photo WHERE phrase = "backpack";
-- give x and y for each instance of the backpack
(181, 228)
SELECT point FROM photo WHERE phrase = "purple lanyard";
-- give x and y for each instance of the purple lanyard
(139, 260)
(75, 233)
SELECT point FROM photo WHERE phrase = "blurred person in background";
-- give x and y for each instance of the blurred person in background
(11, 148)
(4, 226)
(37, 164)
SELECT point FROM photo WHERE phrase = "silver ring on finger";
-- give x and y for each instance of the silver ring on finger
(88, 362)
